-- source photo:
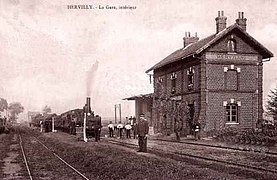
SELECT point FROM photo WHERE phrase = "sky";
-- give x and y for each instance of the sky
(55, 56)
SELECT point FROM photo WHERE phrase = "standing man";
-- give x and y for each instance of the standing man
(41, 126)
(177, 129)
(111, 128)
(135, 129)
(128, 128)
(196, 128)
(120, 129)
(97, 127)
(142, 131)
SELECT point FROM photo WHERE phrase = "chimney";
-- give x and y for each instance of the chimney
(220, 21)
(189, 39)
(241, 21)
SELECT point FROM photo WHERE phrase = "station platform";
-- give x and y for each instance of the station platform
(207, 141)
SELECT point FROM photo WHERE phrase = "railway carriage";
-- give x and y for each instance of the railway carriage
(35, 120)
(45, 120)
(69, 120)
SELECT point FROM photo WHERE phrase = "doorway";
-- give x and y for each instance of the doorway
(190, 116)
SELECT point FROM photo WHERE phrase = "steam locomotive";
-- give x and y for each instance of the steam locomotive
(70, 120)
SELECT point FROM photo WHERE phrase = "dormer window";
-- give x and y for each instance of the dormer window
(231, 46)
(173, 78)
(190, 74)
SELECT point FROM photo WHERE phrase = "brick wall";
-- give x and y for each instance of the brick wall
(225, 84)
(215, 76)
(216, 117)
(260, 90)
(246, 79)
(241, 45)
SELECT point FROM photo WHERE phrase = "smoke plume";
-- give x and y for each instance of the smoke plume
(91, 77)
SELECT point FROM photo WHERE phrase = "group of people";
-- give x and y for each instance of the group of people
(140, 130)
(120, 128)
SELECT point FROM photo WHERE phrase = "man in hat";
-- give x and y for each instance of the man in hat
(111, 129)
(142, 133)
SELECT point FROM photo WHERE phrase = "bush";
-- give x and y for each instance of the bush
(266, 137)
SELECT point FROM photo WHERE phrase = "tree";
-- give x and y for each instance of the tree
(3, 104)
(15, 108)
(46, 110)
(272, 103)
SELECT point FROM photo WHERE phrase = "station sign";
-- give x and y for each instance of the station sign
(238, 57)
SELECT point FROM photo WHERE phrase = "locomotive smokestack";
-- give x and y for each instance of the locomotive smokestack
(88, 105)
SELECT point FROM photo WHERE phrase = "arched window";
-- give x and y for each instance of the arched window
(231, 46)
(232, 113)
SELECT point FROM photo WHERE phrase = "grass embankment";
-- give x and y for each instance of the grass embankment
(106, 161)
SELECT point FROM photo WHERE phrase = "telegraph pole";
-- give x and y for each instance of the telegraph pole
(115, 114)
(119, 106)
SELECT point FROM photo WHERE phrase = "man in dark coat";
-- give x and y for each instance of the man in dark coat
(111, 129)
(142, 132)
(177, 129)
(134, 126)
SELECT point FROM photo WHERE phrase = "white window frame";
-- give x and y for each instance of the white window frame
(190, 74)
(229, 117)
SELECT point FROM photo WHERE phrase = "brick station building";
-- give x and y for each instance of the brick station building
(216, 81)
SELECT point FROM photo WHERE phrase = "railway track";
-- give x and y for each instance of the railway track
(197, 157)
(57, 157)
(24, 157)
(220, 147)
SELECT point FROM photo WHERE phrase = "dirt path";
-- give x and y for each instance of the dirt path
(12, 168)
